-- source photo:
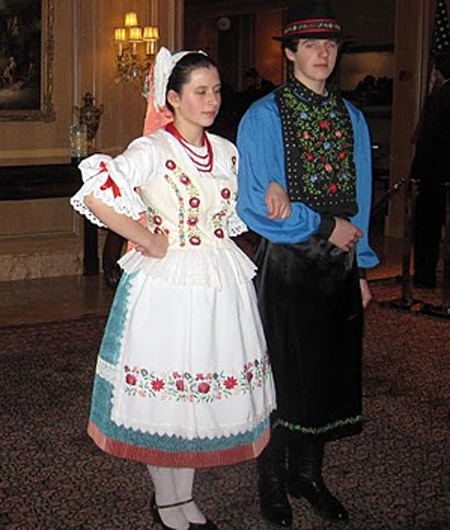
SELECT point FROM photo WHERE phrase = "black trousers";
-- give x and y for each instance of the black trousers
(310, 302)
(430, 218)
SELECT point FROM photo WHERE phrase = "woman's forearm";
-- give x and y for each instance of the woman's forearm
(119, 223)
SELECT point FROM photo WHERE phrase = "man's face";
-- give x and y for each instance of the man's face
(314, 61)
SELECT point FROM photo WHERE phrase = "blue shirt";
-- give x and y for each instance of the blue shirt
(262, 161)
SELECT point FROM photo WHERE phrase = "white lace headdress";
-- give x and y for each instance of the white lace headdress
(155, 88)
(164, 64)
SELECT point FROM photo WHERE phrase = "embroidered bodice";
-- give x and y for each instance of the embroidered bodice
(191, 209)
(155, 178)
(154, 181)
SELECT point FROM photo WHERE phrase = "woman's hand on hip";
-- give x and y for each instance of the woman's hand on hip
(156, 247)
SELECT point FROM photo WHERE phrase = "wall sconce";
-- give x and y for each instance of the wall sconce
(131, 64)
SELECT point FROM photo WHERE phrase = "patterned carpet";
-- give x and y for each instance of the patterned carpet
(396, 475)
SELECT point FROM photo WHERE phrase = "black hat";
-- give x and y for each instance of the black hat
(311, 19)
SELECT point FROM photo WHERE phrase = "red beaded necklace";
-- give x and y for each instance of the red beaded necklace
(204, 163)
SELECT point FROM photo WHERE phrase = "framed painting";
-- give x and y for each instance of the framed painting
(26, 60)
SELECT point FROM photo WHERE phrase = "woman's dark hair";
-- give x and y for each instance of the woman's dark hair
(181, 74)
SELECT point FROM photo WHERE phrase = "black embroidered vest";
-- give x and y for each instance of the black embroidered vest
(318, 140)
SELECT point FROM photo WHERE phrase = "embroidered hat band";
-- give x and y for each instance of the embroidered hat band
(319, 25)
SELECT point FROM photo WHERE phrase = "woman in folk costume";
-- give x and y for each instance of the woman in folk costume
(182, 379)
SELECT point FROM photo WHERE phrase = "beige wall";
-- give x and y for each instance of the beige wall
(30, 142)
(44, 237)
(85, 61)
(412, 42)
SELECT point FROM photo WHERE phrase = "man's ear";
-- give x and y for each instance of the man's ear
(290, 55)
(173, 98)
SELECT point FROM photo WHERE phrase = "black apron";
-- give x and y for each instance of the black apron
(310, 303)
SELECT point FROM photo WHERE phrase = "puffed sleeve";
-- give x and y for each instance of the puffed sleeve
(261, 149)
(114, 180)
(366, 257)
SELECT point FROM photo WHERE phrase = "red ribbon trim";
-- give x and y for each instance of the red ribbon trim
(109, 182)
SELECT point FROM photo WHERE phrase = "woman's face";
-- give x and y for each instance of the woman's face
(199, 100)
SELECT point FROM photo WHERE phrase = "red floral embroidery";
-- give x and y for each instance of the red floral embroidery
(194, 202)
(181, 385)
(230, 383)
(131, 379)
(194, 240)
(323, 124)
(158, 384)
(192, 221)
(204, 387)
(332, 187)
(309, 157)
(184, 179)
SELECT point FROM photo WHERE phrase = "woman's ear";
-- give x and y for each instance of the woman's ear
(173, 98)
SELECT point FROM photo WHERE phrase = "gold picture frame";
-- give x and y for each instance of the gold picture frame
(26, 60)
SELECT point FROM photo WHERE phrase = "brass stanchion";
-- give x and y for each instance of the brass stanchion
(407, 302)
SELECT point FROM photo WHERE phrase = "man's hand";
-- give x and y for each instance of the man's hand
(366, 295)
(345, 235)
(277, 202)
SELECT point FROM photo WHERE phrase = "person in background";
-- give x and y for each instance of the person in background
(430, 166)
(305, 188)
(183, 379)
(257, 86)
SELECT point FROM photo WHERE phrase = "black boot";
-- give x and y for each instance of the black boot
(273, 499)
(305, 480)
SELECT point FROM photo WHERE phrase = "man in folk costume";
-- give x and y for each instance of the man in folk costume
(305, 156)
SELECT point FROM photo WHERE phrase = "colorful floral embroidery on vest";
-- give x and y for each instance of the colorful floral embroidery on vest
(187, 207)
(218, 219)
(233, 164)
(155, 221)
(197, 388)
(322, 134)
